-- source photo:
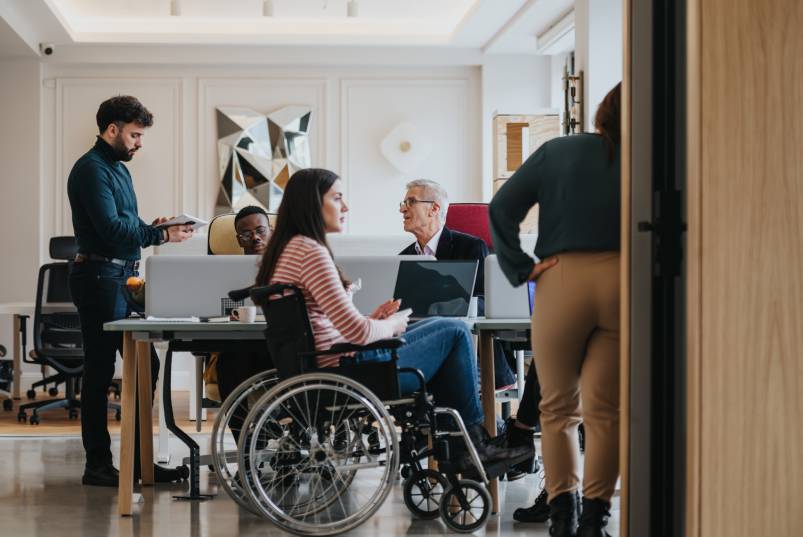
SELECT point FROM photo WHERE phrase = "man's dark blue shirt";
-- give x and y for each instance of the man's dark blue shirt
(104, 207)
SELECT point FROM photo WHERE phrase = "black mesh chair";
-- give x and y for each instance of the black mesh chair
(57, 341)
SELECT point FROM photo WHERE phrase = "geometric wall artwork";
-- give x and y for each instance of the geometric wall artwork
(258, 154)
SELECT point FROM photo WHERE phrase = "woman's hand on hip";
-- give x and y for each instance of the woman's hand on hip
(541, 267)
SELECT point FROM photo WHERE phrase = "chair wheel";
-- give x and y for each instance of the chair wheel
(72, 414)
(423, 492)
(22, 417)
(53, 392)
(118, 415)
(34, 420)
(465, 508)
(8, 405)
(31, 394)
(406, 472)
(184, 471)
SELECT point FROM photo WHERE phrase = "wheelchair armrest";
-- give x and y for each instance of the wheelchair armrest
(342, 348)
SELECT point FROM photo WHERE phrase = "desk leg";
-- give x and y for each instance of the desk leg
(145, 411)
(17, 363)
(127, 402)
(486, 357)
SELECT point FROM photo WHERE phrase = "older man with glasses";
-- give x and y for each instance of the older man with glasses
(423, 210)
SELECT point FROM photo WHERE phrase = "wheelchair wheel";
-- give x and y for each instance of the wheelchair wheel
(230, 417)
(321, 452)
(423, 492)
(465, 508)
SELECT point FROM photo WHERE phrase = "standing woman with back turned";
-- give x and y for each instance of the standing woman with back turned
(575, 324)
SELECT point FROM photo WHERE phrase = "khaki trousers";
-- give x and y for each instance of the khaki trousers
(575, 337)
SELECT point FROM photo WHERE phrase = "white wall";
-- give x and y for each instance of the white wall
(511, 84)
(353, 109)
(598, 52)
(19, 179)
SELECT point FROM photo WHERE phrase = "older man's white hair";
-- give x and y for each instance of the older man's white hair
(433, 190)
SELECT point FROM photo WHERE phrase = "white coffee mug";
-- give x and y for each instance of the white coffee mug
(246, 314)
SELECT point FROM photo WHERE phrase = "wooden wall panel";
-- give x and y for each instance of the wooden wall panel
(750, 260)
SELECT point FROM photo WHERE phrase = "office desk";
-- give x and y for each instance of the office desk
(136, 389)
(485, 330)
(138, 334)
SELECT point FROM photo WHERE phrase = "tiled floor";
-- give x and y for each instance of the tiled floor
(41, 495)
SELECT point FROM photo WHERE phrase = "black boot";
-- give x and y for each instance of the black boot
(537, 512)
(489, 449)
(563, 515)
(594, 518)
(513, 436)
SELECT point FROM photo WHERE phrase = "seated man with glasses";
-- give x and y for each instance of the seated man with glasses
(423, 212)
(424, 215)
(253, 231)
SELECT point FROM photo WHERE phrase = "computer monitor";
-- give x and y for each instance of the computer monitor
(376, 276)
(196, 286)
(436, 288)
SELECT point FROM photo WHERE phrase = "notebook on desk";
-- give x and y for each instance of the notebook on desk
(196, 286)
(436, 288)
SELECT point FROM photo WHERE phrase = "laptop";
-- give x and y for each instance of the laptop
(436, 288)
(376, 276)
(502, 300)
(196, 286)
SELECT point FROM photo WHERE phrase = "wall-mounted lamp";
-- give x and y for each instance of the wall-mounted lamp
(267, 8)
(175, 8)
(352, 8)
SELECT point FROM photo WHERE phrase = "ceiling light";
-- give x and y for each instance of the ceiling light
(267, 8)
(352, 8)
(175, 8)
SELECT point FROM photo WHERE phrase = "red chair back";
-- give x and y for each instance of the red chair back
(471, 218)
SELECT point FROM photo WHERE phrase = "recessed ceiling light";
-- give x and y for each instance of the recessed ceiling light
(352, 8)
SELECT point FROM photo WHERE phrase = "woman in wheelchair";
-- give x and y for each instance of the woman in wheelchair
(298, 254)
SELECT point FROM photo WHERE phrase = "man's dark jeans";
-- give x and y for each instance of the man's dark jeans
(96, 289)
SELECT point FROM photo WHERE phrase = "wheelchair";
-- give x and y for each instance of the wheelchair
(317, 450)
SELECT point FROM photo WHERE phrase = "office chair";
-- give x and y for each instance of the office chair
(222, 236)
(471, 218)
(6, 378)
(56, 328)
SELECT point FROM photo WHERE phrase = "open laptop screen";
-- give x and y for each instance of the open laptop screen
(436, 288)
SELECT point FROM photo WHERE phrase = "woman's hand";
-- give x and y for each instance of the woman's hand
(399, 323)
(386, 309)
(543, 266)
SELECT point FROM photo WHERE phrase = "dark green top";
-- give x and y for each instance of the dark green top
(104, 207)
(578, 189)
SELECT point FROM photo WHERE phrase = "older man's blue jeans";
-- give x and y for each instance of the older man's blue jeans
(442, 350)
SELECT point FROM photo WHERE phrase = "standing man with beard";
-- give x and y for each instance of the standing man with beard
(110, 235)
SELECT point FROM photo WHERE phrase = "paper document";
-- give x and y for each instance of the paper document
(184, 219)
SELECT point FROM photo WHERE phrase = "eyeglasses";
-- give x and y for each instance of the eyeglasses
(409, 202)
(250, 235)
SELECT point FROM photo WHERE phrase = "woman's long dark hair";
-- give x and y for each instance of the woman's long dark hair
(300, 213)
(608, 120)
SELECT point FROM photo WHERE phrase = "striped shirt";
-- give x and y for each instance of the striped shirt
(308, 265)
